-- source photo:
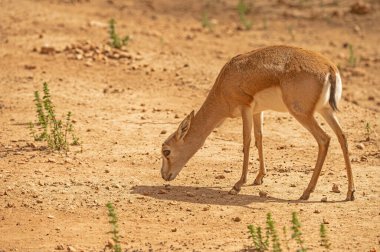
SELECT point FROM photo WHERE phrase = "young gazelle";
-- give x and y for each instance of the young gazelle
(280, 78)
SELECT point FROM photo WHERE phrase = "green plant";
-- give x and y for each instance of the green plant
(206, 23)
(113, 220)
(297, 234)
(273, 233)
(243, 9)
(272, 240)
(51, 129)
(324, 242)
(257, 238)
(352, 59)
(115, 40)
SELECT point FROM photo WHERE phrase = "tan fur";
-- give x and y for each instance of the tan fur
(297, 80)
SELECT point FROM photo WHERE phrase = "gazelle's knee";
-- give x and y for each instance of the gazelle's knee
(324, 141)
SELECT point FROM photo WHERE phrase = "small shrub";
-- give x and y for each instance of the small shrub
(324, 242)
(206, 23)
(50, 128)
(297, 234)
(352, 59)
(243, 9)
(115, 40)
(272, 240)
(113, 220)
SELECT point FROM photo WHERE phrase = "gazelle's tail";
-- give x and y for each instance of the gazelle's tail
(334, 89)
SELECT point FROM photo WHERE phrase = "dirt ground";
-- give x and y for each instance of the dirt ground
(126, 103)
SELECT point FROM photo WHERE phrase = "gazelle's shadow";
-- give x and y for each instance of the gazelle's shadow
(207, 195)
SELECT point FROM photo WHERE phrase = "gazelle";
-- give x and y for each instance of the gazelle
(280, 78)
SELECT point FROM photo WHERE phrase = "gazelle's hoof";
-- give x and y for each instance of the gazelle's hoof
(234, 191)
(258, 181)
(350, 196)
(305, 196)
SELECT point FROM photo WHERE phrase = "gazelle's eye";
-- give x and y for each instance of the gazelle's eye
(166, 153)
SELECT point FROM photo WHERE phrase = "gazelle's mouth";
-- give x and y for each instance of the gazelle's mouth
(168, 177)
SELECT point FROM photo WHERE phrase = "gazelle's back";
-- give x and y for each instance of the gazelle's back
(302, 76)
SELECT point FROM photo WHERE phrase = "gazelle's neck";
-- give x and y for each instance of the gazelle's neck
(210, 115)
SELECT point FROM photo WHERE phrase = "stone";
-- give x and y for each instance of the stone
(360, 8)
(263, 194)
(335, 188)
(71, 249)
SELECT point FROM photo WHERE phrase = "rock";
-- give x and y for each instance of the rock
(174, 230)
(236, 219)
(263, 194)
(220, 177)
(317, 211)
(110, 243)
(292, 185)
(360, 8)
(71, 249)
(51, 160)
(190, 194)
(47, 49)
(163, 132)
(227, 171)
(206, 208)
(29, 67)
(325, 221)
(335, 188)
(59, 247)
(360, 146)
(324, 199)
(162, 191)
(50, 217)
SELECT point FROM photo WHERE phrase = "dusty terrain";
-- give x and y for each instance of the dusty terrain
(125, 106)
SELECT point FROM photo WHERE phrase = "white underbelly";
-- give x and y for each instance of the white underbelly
(269, 99)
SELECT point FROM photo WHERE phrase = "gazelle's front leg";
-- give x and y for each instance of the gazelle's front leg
(258, 123)
(246, 113)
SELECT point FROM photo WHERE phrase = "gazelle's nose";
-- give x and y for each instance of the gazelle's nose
(167, 177)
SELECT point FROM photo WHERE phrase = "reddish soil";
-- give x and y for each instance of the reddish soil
(124, 103)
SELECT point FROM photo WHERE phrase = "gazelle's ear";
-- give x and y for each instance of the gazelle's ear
(184, 126)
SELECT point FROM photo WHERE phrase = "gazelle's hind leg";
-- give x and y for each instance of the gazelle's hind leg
(258, 122)
(323, 141)
(331, 119)
(247, 131)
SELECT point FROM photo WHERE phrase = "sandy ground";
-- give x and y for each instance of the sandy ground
(123, 105)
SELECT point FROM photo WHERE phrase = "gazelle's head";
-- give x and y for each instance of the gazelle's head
(177, 150)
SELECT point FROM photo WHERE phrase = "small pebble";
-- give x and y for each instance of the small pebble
(190, 194)
(335, 188)
(360, 146)
(263, 194)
